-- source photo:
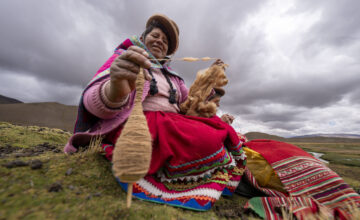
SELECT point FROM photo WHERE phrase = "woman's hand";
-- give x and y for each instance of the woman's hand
(227, 118)
(123, 73)
(218, 62)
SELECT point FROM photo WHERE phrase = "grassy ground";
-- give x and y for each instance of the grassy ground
(79, 186)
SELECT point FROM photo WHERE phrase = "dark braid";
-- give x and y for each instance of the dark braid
(153, 86)
(172, 91)
(154, 90)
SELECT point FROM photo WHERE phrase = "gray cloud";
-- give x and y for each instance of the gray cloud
(280, 79)
(339, 25)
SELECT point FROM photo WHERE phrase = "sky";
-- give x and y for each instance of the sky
(294, 65)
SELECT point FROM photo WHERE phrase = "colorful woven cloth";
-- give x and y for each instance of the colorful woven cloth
(310, 184)
(194, 161)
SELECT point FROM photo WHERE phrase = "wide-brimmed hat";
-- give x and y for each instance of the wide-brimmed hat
(171, 28)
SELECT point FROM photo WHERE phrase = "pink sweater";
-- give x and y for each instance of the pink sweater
(95, 100)
(110, 119)
(97, 117)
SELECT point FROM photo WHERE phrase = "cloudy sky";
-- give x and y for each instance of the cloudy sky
(294, 65)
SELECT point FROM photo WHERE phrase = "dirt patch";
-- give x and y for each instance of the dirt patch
(55, 187)
(36, 164)
(42, 148)
(15, 163)
(9, 150)
(229, 209)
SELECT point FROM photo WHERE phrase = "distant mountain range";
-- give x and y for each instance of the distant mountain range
(306, 139)
(330, 135)
(7, 100)
(56, 115)
(46, 114)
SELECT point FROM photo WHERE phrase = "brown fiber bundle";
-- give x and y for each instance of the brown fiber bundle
(197, 102)
(132, 154)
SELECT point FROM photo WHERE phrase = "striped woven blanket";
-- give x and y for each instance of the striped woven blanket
(312, 187)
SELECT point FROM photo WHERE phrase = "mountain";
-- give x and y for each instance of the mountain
(47, 114)
(259, 135)
(304, 139)
(330, 135)
(7, 100)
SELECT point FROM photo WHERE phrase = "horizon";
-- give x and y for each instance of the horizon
(357, 136)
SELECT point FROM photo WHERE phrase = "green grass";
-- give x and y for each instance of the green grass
(336, 153)
(89, 192)
(25, 136)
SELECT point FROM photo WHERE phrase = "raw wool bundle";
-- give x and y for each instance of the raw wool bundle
(198, 103)
(189, 59)
(132, 153)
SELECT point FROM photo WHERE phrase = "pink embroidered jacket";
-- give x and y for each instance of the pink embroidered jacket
(103, 119)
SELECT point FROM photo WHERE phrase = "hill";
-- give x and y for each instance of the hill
(7, 100)
(353, 136)
(259, 135)
(302, 139)
(47, 114)
(323, 140)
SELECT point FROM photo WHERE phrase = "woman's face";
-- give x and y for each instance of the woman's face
(156, 41)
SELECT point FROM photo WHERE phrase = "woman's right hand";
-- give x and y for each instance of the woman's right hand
(123, 73)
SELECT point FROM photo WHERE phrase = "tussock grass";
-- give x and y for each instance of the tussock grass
(26, 136)
(88, 188)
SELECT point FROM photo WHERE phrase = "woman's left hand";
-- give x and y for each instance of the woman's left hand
(227, 118)
(218, 62)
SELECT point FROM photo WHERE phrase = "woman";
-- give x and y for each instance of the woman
(194, 160)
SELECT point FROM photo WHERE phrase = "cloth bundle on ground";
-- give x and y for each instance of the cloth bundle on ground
(302, 183)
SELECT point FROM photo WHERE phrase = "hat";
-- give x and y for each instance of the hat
(171, 28)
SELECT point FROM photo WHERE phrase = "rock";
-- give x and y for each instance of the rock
(15, 163)
(27, 154)
(98, 194)
(57, 151)
(36, 164)
(7, 150)
(55, 187)
(71, 187)
(69, 172)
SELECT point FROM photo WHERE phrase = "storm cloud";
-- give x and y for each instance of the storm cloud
(294, 66)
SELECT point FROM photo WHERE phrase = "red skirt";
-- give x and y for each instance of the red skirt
(184, 141)
(194, 160)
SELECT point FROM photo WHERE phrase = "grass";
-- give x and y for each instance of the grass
(88, 188)
(26, 136)
(336, 153)
(89, 191)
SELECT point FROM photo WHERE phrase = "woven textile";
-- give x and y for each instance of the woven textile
(194, 161)
(305, 178)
